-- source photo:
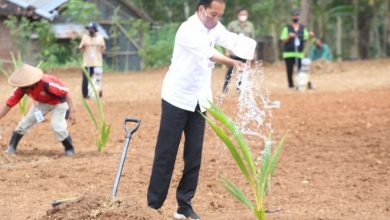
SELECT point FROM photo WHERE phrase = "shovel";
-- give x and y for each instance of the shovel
(128, 133)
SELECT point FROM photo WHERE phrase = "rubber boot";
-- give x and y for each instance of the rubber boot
(225, 87)
(69, 149)
(13, 144)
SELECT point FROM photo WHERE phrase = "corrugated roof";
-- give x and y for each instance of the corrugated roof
(43, 8)
(72, 30)
(47, 5)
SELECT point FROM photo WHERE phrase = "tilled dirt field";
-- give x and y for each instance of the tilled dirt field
(334, 165)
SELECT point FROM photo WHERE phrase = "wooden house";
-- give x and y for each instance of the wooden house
(123, 50)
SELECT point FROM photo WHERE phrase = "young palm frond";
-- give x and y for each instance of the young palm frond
(101, 125)
(257, 177)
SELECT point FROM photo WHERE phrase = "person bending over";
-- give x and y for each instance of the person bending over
(49, 95)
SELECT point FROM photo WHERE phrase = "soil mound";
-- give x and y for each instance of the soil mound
(98, 207)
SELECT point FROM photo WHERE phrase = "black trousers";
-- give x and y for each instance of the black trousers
(84, 85)
(173, 122)
(229, 74)
(290, 63)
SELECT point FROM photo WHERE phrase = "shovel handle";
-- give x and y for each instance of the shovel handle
(131, 130)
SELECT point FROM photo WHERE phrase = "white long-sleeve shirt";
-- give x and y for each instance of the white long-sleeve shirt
(188, 80)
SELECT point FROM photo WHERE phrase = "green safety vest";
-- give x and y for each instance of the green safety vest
(289, 50)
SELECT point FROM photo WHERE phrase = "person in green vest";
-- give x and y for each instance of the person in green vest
(241, 26)
(293, 38)
(320, 51)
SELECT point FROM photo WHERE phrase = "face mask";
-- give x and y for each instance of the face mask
(91, 33)
(208, 21)
(242, 18)
(295, 20)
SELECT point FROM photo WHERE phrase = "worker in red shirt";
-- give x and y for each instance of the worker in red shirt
(49, 95)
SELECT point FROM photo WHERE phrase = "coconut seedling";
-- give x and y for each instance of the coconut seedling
(103, 128)
(257, 175)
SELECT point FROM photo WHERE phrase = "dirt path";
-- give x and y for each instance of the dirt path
(334, 164)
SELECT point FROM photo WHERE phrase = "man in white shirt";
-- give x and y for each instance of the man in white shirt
(92, 45)
(186, 91)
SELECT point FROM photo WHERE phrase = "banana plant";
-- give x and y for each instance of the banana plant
(257, 176)
(103, 128)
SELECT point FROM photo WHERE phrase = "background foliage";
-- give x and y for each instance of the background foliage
(51, 51)
(354, 29)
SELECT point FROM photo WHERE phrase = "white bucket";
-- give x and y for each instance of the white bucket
(302, 80)
(245, 47)
(306, 61)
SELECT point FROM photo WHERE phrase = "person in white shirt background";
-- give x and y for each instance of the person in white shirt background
(93, 46)
(186, 91)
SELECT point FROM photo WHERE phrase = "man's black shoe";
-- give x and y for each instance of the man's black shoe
(187, 213)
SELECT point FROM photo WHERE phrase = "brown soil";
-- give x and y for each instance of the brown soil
(98, 207)
(334, 164)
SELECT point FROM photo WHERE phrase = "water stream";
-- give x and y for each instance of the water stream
(252, 106)
(247, 101)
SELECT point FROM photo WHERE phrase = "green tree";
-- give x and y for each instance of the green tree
(21, 30)
(353, 28)
(80, 11)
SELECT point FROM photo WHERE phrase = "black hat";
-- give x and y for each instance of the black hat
(92, 25)
(295, 12)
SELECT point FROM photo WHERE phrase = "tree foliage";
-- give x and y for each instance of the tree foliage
(24, 31)
(80, 11)
(364, 23)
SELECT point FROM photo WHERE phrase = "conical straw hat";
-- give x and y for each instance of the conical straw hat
(25, 75)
